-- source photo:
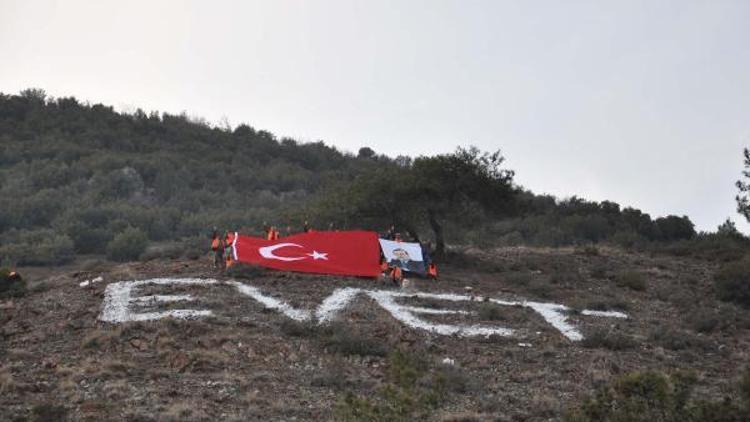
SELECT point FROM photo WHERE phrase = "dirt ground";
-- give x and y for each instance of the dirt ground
(249, 363)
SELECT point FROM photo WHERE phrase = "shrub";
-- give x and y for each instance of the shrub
(628, 239)
(678, 340)
(128, 245)
(588, 251)
(293, 328)
(169, 251)
(412, 392)
(340, 338)
(673, 227)
(47, 412)
(599, 271)
(732, 283)
(87, 239)
(709, 246)
(632, 280)
(715, 318)
(654, 396)
(38, 247)
(608, 339)
(490, 312)
(602, 304)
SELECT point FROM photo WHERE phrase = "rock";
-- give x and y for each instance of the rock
(179, 361)
(138, 344)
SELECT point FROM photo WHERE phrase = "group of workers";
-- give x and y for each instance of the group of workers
(222, 249)
(223, 257)
(395, 272)
(272, 233)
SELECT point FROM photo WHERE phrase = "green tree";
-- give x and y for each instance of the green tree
(427, 191)
(128, 245)
(743, 201)
(447, 185)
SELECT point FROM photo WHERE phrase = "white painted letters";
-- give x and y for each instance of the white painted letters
(118, 301)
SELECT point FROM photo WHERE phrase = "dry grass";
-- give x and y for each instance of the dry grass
(7, 383)
(633, 280)
(608, 339)
(207, 360)
(181, 411)
(463, 417)
(101, 338)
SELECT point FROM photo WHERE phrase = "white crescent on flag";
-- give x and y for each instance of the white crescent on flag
(267, 252)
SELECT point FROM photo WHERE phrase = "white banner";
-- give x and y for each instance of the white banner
(406, 255)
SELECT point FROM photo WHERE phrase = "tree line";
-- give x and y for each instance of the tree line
(74, 176)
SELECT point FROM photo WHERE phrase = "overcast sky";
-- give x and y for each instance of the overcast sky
(646, 103)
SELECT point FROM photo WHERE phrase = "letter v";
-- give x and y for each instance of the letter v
(272, 303)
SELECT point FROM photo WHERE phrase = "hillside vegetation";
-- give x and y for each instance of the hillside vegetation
(144, 190)
(74, 176)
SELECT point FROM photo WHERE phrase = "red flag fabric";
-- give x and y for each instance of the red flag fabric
(355, 253)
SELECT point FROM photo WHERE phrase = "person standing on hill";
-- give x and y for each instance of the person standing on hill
(228, 240)
(432, 271)
(391, 233)
(217, 246)
(397, 275)
(266, 231)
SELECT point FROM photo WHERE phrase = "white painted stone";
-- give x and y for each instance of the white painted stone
(386, 300)
(119, 300)
(608, 314)
(271, 302)
(338, 300)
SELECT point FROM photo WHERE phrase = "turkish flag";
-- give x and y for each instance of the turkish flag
(355, 253)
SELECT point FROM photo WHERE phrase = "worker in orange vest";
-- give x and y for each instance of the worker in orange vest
(383, 265)
(432, 271)
(266, 230)
(218, 249)
(228, 241)
(397, 275)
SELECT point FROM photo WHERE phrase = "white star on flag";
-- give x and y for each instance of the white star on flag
(318, 255)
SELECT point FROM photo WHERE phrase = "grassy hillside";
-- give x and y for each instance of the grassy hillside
(75, 176)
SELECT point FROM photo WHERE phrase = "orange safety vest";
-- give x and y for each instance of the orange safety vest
(432, 271)
(384, 266)
(397, 274)
(215, 244)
